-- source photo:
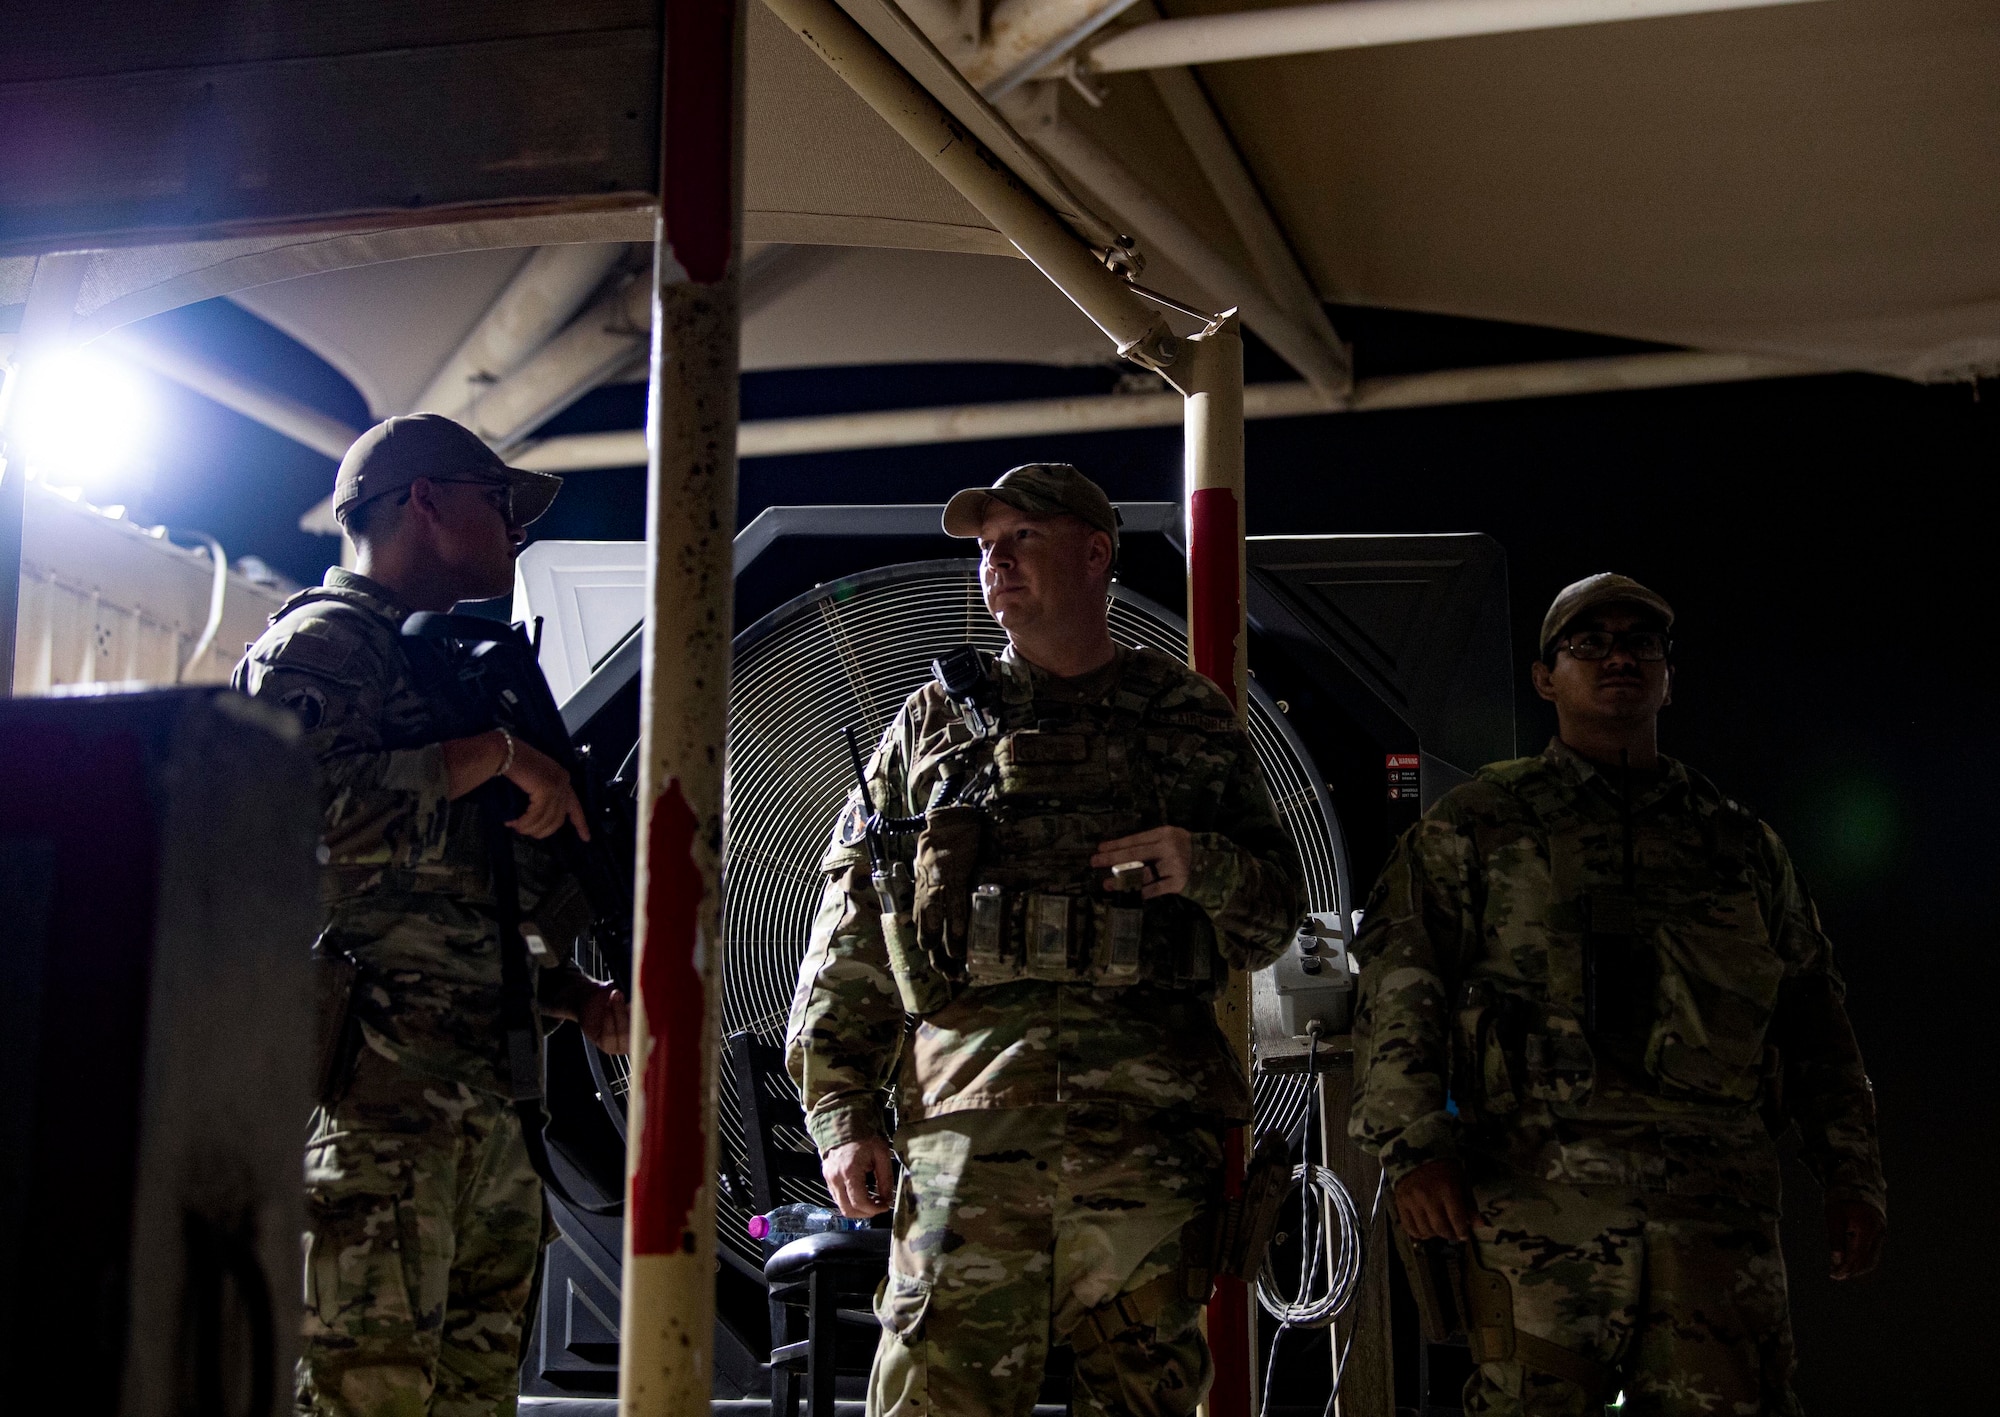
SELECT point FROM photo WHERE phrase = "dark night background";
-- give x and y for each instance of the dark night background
(1820, 538)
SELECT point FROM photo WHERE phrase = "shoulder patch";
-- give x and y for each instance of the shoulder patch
(314, 647)
(851, 827)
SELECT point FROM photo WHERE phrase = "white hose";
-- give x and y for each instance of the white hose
(218, 592)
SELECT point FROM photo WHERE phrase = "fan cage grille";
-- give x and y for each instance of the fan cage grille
(850, 652)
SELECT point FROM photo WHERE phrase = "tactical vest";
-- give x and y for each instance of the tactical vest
(1002, 887)
(1680, 1000)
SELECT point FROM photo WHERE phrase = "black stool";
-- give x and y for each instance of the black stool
(821, 1281)
(812, 1280)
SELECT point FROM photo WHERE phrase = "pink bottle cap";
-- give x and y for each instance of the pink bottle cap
(759, 1226)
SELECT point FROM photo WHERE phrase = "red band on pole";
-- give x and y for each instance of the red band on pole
(1213, 520)
(1215, 614)
(673, 1147)
(1229, 1310)
(697, 136)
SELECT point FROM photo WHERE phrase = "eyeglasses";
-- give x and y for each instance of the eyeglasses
(499, 495)
(1646, 646)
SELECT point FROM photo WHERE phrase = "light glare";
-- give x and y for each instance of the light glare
(83, 420)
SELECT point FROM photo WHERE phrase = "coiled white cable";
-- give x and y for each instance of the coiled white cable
(1308, 1309)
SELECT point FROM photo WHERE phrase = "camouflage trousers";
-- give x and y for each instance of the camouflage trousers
(1017, 1228)
(423, 1226)
(1686, 1300)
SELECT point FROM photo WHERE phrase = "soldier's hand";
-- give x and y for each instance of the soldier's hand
(606, 1019)
(1434, 1203)
(1854, 1234)
(1168, 851)
(551, 797)
(861, 1175)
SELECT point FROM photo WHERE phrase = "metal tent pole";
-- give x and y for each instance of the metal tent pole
(1209, 375)
(1210, 380)
(1355, 24)
(904, 427)
(1131, 323)
(668, 1313)
(44, 325)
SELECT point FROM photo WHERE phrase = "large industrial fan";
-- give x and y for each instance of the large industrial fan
(847, 651)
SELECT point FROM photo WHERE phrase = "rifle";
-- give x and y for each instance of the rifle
(486, 675)
(495, 681)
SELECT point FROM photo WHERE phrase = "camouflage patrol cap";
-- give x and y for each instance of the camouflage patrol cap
(398, 451)
(1604, 588)
(1041, 489)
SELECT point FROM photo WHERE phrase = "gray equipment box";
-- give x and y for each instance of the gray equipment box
(1313, 981)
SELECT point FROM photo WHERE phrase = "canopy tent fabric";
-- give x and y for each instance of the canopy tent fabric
(388, 328)
(1820, 181)
(1815, 181)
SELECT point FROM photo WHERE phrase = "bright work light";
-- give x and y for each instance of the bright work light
(82, 420)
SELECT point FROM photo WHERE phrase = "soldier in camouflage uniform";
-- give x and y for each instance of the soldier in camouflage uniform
(424, 1215)
(1592, 990)
(1061, 1085)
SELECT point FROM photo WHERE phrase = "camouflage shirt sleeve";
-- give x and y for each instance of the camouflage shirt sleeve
(382, 806)
(1825, 1087)
(845, 1031)
(1413, 936)
(1247, 876)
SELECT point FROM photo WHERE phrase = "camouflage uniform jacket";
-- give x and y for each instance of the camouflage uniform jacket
(405, 880)
(1596, 996)
(1035, 1041)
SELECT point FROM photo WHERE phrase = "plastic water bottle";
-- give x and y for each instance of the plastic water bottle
(798, 1220)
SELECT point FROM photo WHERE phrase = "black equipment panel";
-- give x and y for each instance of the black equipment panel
(161, 898)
